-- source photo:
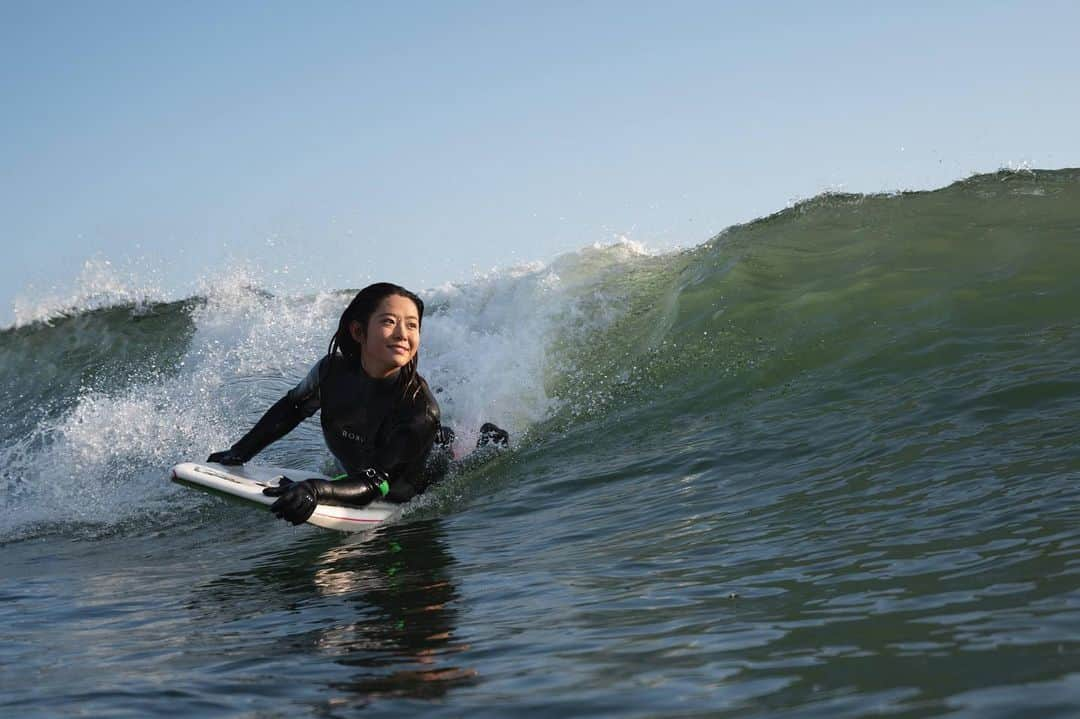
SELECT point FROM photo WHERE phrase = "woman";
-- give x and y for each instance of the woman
(379, 418)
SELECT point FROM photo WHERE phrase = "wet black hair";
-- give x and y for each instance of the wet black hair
(360, 310)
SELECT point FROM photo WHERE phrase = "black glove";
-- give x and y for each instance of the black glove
(492, 436)
(297, 500)
(227, 457)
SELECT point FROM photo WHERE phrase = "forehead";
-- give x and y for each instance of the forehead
(398, 306)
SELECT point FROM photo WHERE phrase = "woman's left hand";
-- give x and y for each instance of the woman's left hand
(296, 500)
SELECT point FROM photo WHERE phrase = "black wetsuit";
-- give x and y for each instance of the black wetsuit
(374, 427)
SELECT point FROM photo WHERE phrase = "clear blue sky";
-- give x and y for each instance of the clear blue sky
(420, 142)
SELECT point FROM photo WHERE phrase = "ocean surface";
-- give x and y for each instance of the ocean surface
(822, 465)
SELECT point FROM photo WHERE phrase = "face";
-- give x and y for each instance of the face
(391, 338)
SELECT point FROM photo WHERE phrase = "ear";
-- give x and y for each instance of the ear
(357, 332)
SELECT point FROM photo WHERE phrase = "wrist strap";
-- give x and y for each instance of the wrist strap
(378, 479)
(373, 474)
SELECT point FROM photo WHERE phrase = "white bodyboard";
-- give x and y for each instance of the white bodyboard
(247, 481)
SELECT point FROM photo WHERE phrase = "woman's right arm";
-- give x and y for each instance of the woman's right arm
(298, 404)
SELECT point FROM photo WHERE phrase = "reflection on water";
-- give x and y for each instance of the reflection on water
(376, 612)
(403, 649)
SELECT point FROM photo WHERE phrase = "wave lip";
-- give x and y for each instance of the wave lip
(99, 285)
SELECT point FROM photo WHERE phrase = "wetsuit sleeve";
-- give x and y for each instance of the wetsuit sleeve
(405, 452)
(299, 403)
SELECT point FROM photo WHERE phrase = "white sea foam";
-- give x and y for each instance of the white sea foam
(485, 351)
(99, 284)
(487, 347)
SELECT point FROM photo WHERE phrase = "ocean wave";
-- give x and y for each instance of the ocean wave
(873, 314)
